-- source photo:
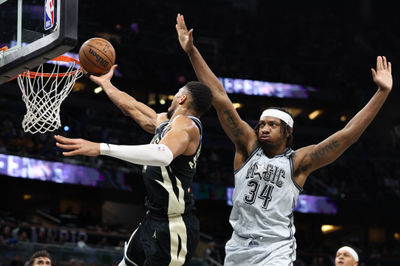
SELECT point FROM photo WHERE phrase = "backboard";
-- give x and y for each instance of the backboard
(35, 31)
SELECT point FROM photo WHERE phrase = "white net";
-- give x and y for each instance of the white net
(43, 94)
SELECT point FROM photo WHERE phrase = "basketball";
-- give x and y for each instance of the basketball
(97, 56)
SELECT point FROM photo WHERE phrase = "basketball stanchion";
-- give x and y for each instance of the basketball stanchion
(43, 94)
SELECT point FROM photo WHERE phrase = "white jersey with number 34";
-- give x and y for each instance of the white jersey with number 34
(264, 197)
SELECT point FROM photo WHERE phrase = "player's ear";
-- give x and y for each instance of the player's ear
(182, 99)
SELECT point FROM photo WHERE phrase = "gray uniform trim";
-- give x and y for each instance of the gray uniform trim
(292, 169)
(248, 158)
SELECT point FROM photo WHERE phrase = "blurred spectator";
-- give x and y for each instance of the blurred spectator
(51, 235)
(23, 236)
(40, 258)
(63, 237)
(42, 236)
(212, 254)
(72, 262)
(6, 237)
(81, 242)
(103, 243)
(16, 261)
(346, 256)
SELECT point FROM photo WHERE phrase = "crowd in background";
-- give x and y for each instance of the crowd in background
(374, 171)
(13, 232)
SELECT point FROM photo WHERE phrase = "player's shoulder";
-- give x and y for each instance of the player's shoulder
(184, 122)
(303, 151)
(301, 158)
(182, 119)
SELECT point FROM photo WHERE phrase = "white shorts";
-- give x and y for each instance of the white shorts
(249, 251)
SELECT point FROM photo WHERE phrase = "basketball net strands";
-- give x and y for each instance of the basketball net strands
(43, 94)
(32, 43)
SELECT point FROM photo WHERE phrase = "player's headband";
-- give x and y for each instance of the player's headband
(285, 117)
(350, 250)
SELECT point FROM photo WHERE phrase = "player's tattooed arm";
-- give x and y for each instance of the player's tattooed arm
(240, 133)
(312, 157)
(317, 154)
(324, 150)
(232, 124)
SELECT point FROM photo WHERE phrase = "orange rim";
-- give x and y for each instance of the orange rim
(4, 48)
(62, 58)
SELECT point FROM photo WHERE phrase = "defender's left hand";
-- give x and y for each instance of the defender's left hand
(382, 76)
(185, 37)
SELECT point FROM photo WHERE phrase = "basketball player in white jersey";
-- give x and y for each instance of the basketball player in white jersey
(346, 256)
(269, 175)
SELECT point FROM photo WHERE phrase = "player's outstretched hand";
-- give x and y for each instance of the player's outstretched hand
(382, 76)
(185, 37)
(77, 146)
(100, 80)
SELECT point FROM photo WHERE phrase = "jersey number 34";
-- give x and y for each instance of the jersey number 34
(264, 195)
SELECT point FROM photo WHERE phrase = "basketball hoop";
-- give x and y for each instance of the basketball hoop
(3, 51)
(43, 94)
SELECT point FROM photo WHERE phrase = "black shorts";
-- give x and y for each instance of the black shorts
(160, 240)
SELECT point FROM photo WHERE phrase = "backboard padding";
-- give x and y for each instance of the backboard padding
(63, 39)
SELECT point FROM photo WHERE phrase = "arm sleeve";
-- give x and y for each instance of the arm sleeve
(149, 154)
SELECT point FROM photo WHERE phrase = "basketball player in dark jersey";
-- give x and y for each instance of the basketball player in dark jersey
(169, 233)
(268, 174)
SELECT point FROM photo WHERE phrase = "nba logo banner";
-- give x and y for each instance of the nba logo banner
(48, 14)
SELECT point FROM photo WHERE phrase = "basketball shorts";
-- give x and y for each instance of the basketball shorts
(249, 251)
(161, 240)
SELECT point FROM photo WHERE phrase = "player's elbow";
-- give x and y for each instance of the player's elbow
(165, 162)
(355, 139)
(147, 124)
(163, 156)
(219, 94)
(350, 137)
(221, 101)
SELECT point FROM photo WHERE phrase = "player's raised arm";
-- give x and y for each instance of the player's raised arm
(145, 116)
(182, 138)
(312, 157)
(237, 130)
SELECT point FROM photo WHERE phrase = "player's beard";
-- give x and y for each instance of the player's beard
(266, 145)
(170, 113)
(271, 146)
